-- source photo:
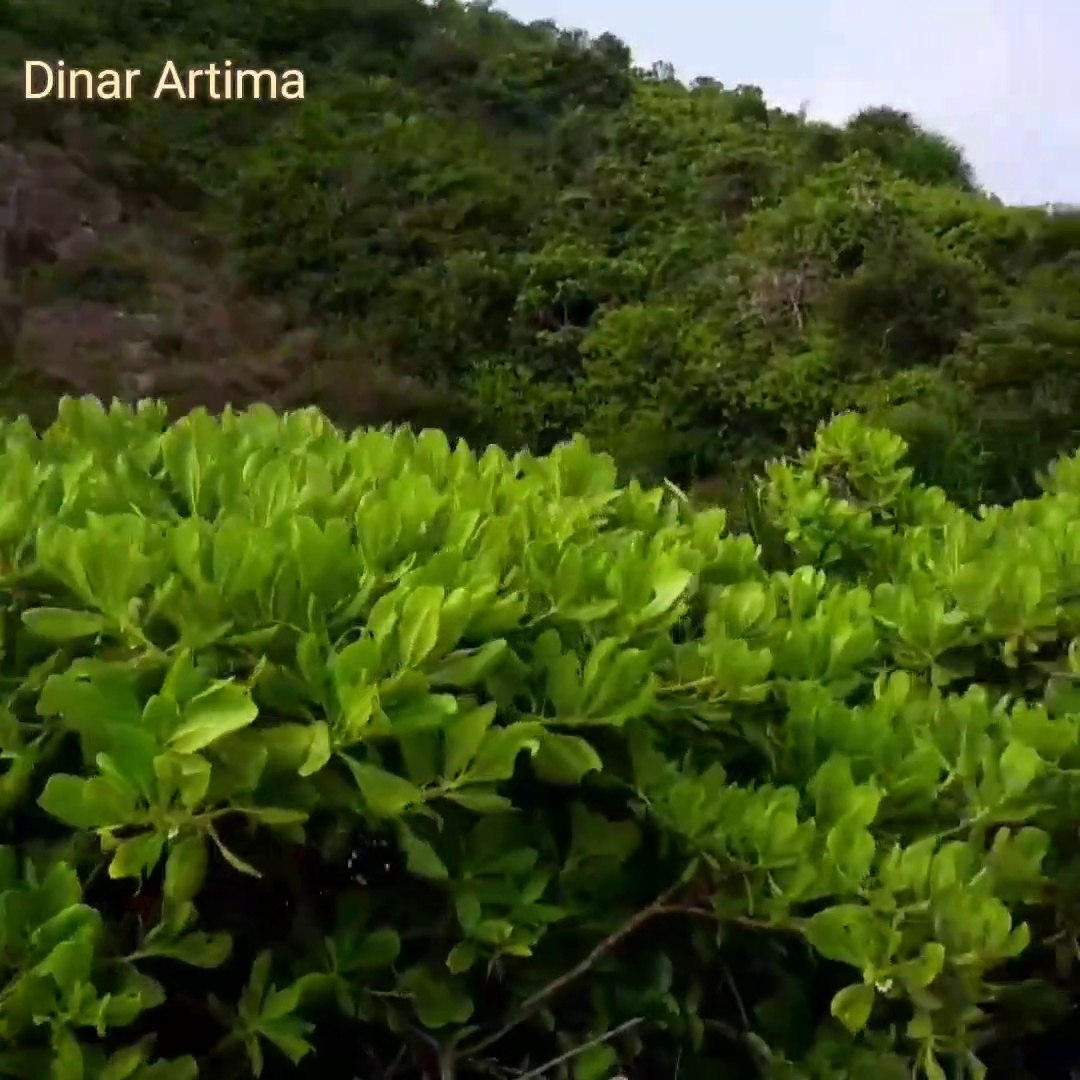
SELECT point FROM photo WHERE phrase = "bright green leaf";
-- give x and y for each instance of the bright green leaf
(1019, 765)
(438, 1000)
(63, 624)
(418, 628)
(463, 735)
(852, 1006)
(565, 759)
(137, 856)
(88, 804)
(216, 712)
(421, 858)
(386, 794)
(185, 867)
(499, 751)
(597, 1063)
(844, 933)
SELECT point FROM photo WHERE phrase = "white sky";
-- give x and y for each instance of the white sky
(999, 77)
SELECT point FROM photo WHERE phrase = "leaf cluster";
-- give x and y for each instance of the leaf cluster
(324, 748)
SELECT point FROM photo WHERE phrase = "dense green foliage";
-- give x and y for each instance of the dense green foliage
(359, 753)
(690, 277)
(631, 789)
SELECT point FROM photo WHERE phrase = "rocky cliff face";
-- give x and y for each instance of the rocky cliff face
(98, 297)
(108, 294)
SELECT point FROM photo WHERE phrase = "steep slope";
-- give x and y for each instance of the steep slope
(511, 232)
(105, 296)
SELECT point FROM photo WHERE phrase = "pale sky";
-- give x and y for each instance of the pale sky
(999, 77)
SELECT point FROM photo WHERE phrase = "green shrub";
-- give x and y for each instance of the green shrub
(345, 749)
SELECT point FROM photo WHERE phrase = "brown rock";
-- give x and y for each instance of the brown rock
(80, 246)
(137, 355)
(80, 343)
(48, 204)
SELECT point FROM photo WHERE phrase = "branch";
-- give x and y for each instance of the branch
(531, 1004)
(743, 921)
(664, 904)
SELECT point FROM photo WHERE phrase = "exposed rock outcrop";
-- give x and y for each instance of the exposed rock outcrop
(108, 294)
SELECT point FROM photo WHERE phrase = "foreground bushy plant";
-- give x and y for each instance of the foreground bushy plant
(369, 754)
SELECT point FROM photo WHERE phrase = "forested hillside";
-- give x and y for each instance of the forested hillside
(513, 225)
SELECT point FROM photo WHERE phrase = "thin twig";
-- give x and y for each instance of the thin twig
(744, 922)
(598, 1041)
(736, 995)
(392, 1069)
(444, 1054)
(447, 1064)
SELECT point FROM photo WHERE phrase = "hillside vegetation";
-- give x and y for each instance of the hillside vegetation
(516, 225)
